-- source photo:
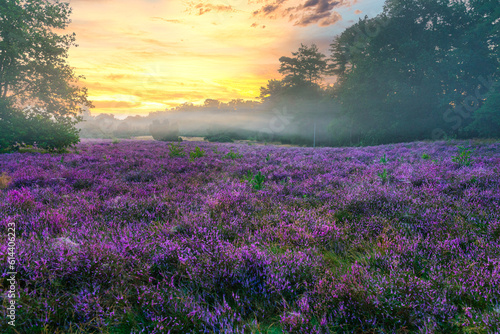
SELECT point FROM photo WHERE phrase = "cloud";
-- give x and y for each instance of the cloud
(115, 77)
(303, 12)
(270, 8)
(357, 11)
(116, 104)
(165, 20)
(200, 8)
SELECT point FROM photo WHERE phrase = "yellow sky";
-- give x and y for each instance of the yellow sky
(140, 56)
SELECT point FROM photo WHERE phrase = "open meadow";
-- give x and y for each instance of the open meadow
(196, 237)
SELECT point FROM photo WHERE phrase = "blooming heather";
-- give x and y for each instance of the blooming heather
(126, 238)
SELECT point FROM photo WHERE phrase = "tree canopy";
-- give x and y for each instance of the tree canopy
(35, 78)
(419, 69)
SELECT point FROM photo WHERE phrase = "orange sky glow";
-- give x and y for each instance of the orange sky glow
(140, 56)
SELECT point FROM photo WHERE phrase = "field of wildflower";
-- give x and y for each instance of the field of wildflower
(193, 237)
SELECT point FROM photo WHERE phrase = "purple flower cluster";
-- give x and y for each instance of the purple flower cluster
(123, 238)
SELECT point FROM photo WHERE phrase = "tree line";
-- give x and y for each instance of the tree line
(422, 69)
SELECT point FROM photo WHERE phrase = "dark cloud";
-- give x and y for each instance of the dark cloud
(308, 12)
(269, 8)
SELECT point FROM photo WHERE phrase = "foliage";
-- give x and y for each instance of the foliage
(197, 153)
(33, 57)
(232, 155)
(219, 138)
(175, 150)
(248, 177)
(425, 156)
(408, 74)
(39, 92)
(464, 157)
(307, 66)
(165, 131)
(383, 176)
(383, 160)
(36, 129)
(257, 181)
(486, 120)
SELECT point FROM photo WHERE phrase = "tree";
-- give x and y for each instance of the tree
(486, 121)
(409, 70)
(34, 74)
(307, 66)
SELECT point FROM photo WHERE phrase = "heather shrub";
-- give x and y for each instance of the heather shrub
(194, 248)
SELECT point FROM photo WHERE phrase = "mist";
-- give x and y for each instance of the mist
(292, 123)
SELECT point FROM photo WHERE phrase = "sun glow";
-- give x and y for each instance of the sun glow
(148, 55)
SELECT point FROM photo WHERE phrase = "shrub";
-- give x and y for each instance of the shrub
(5, 181)
(464, 156)
(164, 131)
(232, 155)
(176, 151)
(197, 153)
(35, 129)
(383, 176)
(257, 181)
(219, 138)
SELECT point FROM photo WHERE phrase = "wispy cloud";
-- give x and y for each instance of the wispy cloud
(166, 20)
(201, 7)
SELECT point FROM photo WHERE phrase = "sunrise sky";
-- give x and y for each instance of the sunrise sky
(140, 56)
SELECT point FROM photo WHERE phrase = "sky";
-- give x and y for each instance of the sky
(140, 56)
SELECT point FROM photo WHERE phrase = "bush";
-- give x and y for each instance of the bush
(256, 181)
(197, 153)
(232, 155)
(52, 133)
(165, 131)
(176, 151)
(464, 157)
(219, 138)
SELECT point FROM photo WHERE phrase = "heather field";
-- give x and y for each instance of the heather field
(152, 237)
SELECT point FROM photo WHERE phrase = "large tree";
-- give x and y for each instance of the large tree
(420, 66)
(35, 78)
